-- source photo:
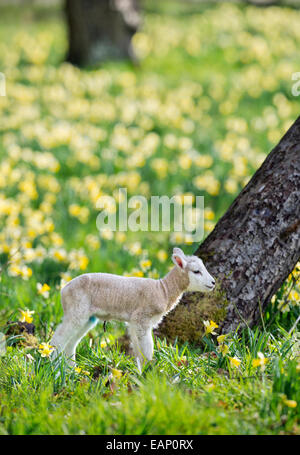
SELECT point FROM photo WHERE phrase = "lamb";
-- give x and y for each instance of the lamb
(140, 302)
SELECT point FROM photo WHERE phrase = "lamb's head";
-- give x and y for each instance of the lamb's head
(199, 278)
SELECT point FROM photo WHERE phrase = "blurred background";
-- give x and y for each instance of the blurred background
(164, 98)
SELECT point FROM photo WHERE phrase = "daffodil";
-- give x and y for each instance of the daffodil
(45, 349)
(83, 262)
(81, 371)
(223, 349)
(234, 362)
(260, 361)
(43, 289)
(103, 344)
(145, 264)
(26, 316)
(162, 255)
(136, 272)
(284, 307)
(290, 403)
(60, 255)
(117, 374)
(294, 297)
(221, 339)
(209, 214)
(135, 249)
(210, 326)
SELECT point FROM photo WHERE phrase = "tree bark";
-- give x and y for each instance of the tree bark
(251, 251)
(100, 29)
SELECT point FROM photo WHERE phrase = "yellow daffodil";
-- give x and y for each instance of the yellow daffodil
(45, 349)
(117, 374)
(221, 339)
(223, 349)
(43, 289)
(135, 249)
(23, 271)
(162, 255)
(209, 214)
(145, 264)
(83, 262)
(260, 361)
(210, 326)
(234, 362)
(60, 255)
(80, 370)
(26, 316)
(136, 272)
(294, 297)
(290, 403)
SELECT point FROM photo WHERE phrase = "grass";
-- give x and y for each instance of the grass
(210, 99)
(185, 391)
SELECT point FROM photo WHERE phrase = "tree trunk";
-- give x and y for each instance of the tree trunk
(100, 29)
(251, 251)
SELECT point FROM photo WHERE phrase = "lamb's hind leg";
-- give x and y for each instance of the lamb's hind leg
(76, 305)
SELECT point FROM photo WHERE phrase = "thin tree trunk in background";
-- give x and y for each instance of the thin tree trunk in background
(251, 251)
(100, 29)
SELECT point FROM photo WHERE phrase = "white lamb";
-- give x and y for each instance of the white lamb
(140, 302)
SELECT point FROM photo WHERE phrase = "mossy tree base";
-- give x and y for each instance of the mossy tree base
(186, 322)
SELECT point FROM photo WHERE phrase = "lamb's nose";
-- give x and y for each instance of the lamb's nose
(213, 282)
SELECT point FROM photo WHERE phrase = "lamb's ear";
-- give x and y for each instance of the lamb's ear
(179, 259)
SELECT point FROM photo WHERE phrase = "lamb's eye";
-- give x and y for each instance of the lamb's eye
(197, 271)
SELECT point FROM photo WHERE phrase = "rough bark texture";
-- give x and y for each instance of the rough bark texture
(100, 30)
(252, 249)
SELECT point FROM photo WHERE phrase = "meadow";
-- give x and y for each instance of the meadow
(209, 99)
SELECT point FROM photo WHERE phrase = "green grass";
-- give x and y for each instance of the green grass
(184, 391)
(210, 98)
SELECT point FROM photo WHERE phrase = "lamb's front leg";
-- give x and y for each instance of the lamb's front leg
(62, 335)
(70, 348)
(142, 343)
